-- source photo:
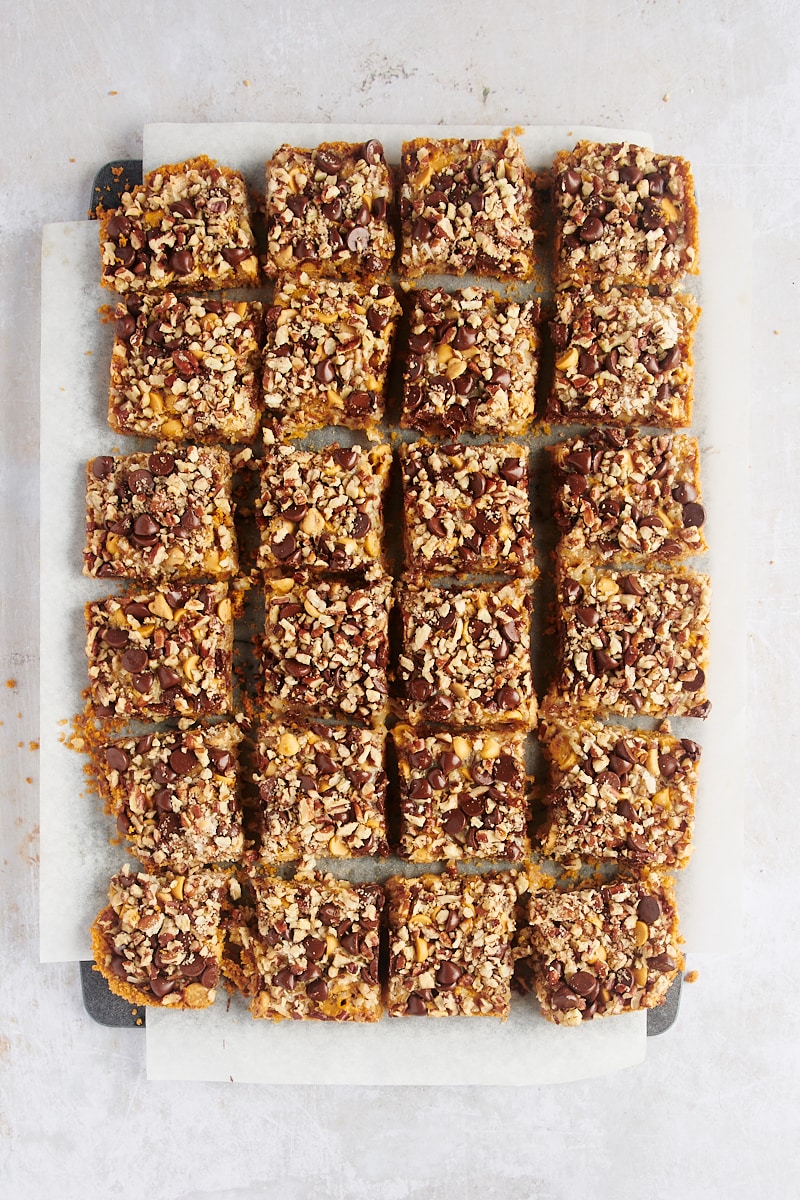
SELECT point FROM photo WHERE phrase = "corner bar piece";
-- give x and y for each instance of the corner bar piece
(466, 206)
(322, 510)
(450, 943)
(326, 647)
(599, 951)
(307, 949)
(472, 363)
(465, 656)
(185, 368)
(462, 795)
(159, 942)
(618, 794)
(632, 644)
(623, 357)
(327, 352)
(187, 227)
(174, 796)
(328, 211)
(160, 654)
(322, 792)
(625, 214)
(618, 498)
(161, 516)
(466, 508)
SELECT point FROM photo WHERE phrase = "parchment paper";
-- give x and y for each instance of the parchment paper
(76, 858)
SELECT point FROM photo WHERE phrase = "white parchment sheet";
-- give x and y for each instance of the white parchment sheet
(76, 857)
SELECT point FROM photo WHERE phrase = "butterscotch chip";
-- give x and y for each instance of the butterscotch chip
(159, 942)
(322, 792)
(161, 653)
(328, 211)
(323, 509)
(597, 951)
(466, 206)
(188, 227)
(162, 515)
(472, 363)
(326, 648)
(450, 944)
(174, 795)
(465, 657)
(466, 508)
(623, 357)
(184, 368)
(617, 794)
(621, 498)
(327, 352)
(461, 795)
(307, 949)
(633, 644)
(623, 213)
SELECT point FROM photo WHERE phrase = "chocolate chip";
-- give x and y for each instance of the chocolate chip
(454, 822)
(324, 372)
(588, 616)
(585, 984)
(661, 963)
(377, 318)
(587, 363)
(448, 974)
(361, 525)
(609, 780)
(422, 342)
(119, 226)
(221, 759)
(324, 763)
(670, 233)
(648, 909)
(422, 230)
(684, 493)
(631, 586)
(652, 217)
(285, 549)
(314, 948)
(419, 689)
(117, 759)
(297, 205)
(513, 470)
(694, 685)
(102, 467)
(564, 999)
(361, 401)
(502, 377)
(305, 251)
(284, 979)
(134, 660)
(145, 531)
(182, 762)
(667, 765)
(328, 914)
(591, 230)
(161, 987)
(449, 761)
(435, 526)
(440, 708)
(163, 800)
(295, 669)
(569, 181)
(415, 1006)
(437, 780)
(124, 327)
(345, 457)
(471, 805)
(357, 239)
(656, 182)
(142, 683)
(333, 210)
(420, 759)
(141, 483)
(637, 843)
(626, 810)
(328, 162)
(694, 515)
(190, 520)
(691, 749)
(181, 262)
(210, 976)
(318, 990)
(508, 697)
(630, 174)
(161, 464)
(671, 359)
(379, 208)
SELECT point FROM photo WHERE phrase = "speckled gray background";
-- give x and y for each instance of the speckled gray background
(712, 1110)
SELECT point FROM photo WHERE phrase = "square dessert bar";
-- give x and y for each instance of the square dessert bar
(466, 508)
(462, 795)
(327, 355)
(618, 794)
(623, 213)
(322, 509)
(159, 942)
(325, 648)
(328, 210)
(450, 944)
(174, 795)
(161, 515)
(632, 644)
(618, 497)
(466, 206)
(466, 655)
(187, 227)
(159, 654)
(307, 949)
(472, 363)
(622, 357)
(322, 792)
(185, 368)
(598, 951)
